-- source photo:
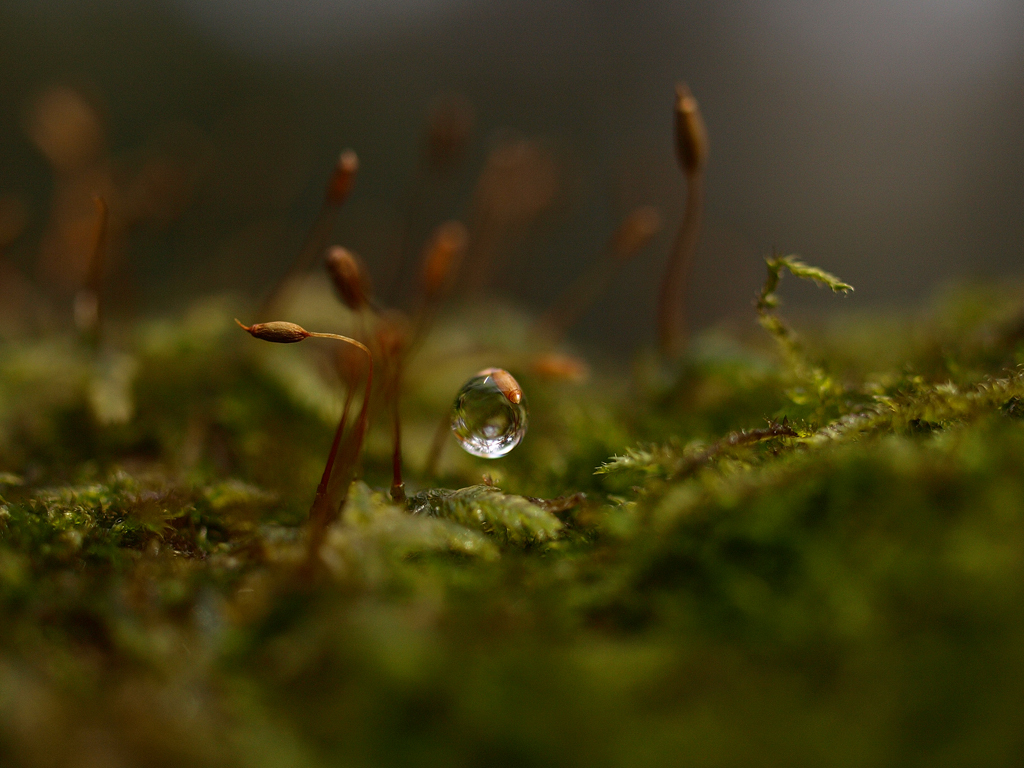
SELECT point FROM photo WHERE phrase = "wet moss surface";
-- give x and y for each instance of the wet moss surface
(810, 553)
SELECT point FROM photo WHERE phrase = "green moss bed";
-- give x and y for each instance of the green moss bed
(799, 550)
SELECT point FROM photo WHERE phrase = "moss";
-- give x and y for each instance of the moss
(811, 558)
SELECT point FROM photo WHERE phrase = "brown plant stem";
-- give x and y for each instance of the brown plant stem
(392, 339)
(88, 301)
(437, 444)
(324, 510)
(733, 440)
(692, 154)
(319, 235)
(317, 239)
(672, 332)
(397, 486)
(397, 279)
(442, 260)
(627, 241)
(321, 490)
(574, 301)
(449, 127)
(485, 238)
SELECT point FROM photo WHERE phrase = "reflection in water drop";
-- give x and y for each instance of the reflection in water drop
(489, 415)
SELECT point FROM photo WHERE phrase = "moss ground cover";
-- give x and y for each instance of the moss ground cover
(806, 554)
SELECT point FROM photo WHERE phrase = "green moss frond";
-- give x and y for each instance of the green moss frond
(511, 519)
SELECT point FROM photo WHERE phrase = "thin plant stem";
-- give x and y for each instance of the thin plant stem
(321, 489)
(393, 344)
(631, 237)
(397, 486)
(416, 195)
(317, 239)
(485, 237)
(322, 513)
(319, 235)
(692, 154)
(88, 301)
(442, 262)
(573, 302)
(437, 445)
(672, 300)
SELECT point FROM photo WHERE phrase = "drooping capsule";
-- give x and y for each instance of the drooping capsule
(489, 416)
(350, 277)
(278, 331)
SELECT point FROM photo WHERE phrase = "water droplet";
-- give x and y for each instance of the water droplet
(489, 415)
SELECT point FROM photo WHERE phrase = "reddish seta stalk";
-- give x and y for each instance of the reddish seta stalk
(397, 486)
(323, 512)
(692, 152)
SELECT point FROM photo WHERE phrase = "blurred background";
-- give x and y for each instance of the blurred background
(880, 140)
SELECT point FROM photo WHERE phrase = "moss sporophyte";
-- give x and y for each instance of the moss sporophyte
(323, 512)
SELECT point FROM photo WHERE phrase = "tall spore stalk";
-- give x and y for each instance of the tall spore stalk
(338, 189)
(89, 300)
(355, 290)
(631, 237)
(324, 511)
(449, 130)
(692, 153)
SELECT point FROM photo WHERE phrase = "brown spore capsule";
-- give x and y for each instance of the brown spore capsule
(635, 232)
(66, 128)
(556, 366)
(508, 386)
(691, 134)
(343, 178)
(350, 277)
(443, 256)
(518, 182)
(278, 331)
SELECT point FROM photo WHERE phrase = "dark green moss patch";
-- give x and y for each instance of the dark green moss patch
(808, 559)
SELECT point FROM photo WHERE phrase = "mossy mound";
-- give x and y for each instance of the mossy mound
(813, 558)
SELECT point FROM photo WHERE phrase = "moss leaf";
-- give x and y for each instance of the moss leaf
(514, 519)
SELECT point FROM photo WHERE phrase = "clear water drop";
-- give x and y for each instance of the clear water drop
(489, 415)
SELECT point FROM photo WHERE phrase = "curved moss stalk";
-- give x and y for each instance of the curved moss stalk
(323, 512)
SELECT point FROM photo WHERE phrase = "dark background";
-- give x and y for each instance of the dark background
(880, 140)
